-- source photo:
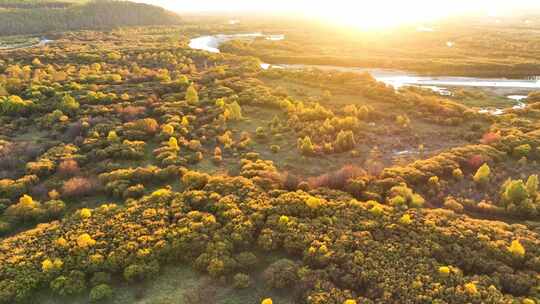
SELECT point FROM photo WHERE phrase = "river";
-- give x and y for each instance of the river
(41, 42)
(515, 90)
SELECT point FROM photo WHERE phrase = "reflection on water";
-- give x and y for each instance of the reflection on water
(394, 78)
(212, 43)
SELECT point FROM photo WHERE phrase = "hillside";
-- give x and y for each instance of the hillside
(134, 169)
(34, 17)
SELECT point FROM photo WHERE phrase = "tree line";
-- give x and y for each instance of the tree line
(93, 15)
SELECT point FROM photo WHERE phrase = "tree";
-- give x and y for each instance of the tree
(517, 249)
(532, 185)
(345, 141)
(100, 293)
(68, 104)
(305, 146)
(233, 111)
(192, 97)
(482, 174)
(112, 137)
(85, 241)
(173, 144)
(515, 191)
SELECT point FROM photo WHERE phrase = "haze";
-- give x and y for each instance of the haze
(374, 14)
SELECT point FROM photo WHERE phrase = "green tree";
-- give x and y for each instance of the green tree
(532, 185)
(192, 97)
(482, 175)
(67, 104)
(305, 146)
(515, 191)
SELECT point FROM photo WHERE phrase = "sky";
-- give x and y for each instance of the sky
(367, 12)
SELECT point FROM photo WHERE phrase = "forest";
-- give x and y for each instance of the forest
(136, 169)
(33, 17)
(466, 46)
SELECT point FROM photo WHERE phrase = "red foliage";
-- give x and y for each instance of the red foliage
(490, 138)
(130, 113)
(290, 181)
(78, 187)
(476, 161)
(337, 179)
(68, 167)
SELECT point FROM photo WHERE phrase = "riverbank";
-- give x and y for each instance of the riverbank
(441, 84)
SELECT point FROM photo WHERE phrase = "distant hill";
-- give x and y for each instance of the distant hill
(29, 4)
(40, 16)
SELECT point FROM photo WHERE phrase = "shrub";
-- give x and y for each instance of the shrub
(25, 209)
(345, 141)
(134, 273)
(241, 281)
(85, 240)
(68, 167)
(403, 196)
(470, 288)
(444, 271)
(482, 175)
(457, 174)
(101, 292)
(405, 219)
(192, 97)
(85, 213)
(148, 126)
(517, 249)
(515, 191)
(72, 284)
(139, 272)
(522, 151)
(67, 104)
(195, 180)
(490, 137)
(173, 144)
(246, 259)
(233, 111)
(78, 187)
(100, 278)
(281, 274)
(305, 146)
(167, 129)
(337, 179)
(532, 185)
(260, 132)
(453, 205)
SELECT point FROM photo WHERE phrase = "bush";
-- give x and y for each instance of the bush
(515, 191)
(68, 167)
(241, 281)
(78, 187)
(100, 278)
(195, 180)
(453, 205)
(281, 274)
(345, 141)
(305, 146)
(134, 273)
(522, 151)
(482, 175)
(192, 97)
(26, 209)
(100, 293)
(149, 126)
(141, 271)
(72, 284)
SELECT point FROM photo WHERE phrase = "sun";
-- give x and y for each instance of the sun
(378, 14)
